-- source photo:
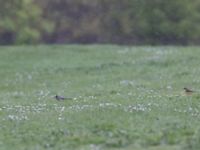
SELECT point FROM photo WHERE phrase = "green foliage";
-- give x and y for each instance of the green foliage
(22, 19)
(101, 21)
(168, 21)
(153, 22)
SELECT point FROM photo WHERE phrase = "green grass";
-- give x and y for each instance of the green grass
(128, 98)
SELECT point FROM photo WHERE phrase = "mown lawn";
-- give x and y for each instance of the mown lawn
(128, 98)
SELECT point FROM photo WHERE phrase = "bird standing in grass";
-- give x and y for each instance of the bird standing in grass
(61, 98)
(188, 91)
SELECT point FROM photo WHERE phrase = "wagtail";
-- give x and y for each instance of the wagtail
(188, 91)
(61, 98)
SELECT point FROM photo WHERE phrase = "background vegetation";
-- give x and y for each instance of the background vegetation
(100, 21)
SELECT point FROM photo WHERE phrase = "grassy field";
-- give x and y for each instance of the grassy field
(128, 98)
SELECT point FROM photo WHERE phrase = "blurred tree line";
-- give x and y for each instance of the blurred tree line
(100, 21)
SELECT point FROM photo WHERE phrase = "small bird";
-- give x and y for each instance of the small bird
(61, 98)
(188, 91)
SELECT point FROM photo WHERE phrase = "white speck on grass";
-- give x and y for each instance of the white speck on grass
(60, 108)
(94, 147)
(109, 105)
(30, 77)
(169, 87)
(92, 97)
(130, 93)
(17, 118)
(138, 107)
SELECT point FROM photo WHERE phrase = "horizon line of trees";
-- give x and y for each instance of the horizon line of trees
(100, 21)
